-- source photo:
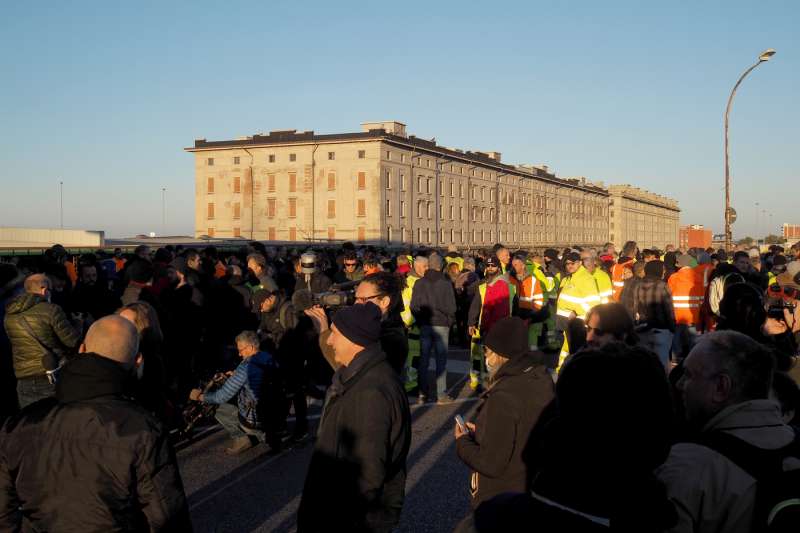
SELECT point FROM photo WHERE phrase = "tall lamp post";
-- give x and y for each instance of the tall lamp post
(765, 55)
(163, 211)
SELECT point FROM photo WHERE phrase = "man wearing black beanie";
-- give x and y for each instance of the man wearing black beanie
(356, 479)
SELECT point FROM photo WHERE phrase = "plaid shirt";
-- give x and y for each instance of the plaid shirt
(652, 302)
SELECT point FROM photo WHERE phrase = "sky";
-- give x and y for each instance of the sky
(104, 96)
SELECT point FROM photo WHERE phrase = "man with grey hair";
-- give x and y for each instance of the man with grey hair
(433, 305)
(91, 459)
(736, 426)
(254, 416)
(40, 333)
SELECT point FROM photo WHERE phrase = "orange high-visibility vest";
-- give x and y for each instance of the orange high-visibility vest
(617, 279)
(531, 295)
(687, 295)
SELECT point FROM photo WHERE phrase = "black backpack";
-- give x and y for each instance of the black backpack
(778, 492)
(272, 398)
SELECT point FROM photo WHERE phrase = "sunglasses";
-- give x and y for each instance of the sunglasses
(787, 293)
(350, 264)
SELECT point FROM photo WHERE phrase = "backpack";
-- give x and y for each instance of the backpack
(777, 492)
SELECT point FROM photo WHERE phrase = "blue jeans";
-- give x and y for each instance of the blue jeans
(434, 341)
(33, 389)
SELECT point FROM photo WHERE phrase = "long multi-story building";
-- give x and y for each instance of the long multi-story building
(383, 186)
(637, 215)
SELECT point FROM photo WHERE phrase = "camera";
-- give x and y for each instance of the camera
(776, 309)
(304, 299)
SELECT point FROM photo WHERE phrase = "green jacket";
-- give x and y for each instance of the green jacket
(50, 325)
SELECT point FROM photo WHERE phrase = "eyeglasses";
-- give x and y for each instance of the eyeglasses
(365, 299)
(788, 293)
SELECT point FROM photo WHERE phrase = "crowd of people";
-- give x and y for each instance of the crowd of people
(639, 390)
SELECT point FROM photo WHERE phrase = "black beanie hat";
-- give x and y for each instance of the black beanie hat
(508, 337)
(360, 323)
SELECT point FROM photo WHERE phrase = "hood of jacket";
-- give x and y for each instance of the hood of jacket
(23, 302)
(757, 422)
(90, 376)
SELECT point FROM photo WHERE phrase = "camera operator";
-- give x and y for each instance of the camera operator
(281, 333)
(250, 419)
(384, 289)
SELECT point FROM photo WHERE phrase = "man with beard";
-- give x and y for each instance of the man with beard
(91, 297)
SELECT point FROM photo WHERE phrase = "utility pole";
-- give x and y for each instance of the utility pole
(163, 211)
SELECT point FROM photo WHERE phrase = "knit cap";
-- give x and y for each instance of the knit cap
(508, 337)
(684, 260)
(360, 323)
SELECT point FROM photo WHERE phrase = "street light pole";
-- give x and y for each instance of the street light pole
(765, 55)
(61, 204)
(163, 211)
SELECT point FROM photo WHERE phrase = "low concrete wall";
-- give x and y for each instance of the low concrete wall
(45, 237)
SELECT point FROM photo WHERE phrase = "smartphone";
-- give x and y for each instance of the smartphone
(461, 424)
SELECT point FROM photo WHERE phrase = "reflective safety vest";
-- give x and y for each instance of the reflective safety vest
(604, 286)
(688, 292)
(530, 293)
(772, 279)
(482, 291)
(457, 260)
(578, 294)
(405, 314)
(617, 278)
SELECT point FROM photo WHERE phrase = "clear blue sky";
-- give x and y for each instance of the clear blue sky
(105, 95)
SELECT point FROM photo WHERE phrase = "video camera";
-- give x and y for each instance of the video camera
(776, 309)
(339, 296)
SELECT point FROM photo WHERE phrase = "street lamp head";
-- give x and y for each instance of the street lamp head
(766, 54)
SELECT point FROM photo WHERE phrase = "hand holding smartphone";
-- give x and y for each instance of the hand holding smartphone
(462, 424)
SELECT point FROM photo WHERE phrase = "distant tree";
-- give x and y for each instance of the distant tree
(747, 241)
(774, 239)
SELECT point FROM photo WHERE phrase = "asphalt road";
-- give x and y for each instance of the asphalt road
(258, 492)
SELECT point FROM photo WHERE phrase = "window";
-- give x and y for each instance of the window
(420, 209)
(388, 155)
(419, 183)
(452, 212)
(331, 233)
(210, 161)
(441, 188)
(292, 207)
(362, 180)
(292, 157)
(362, 234)
(331, 208)
(237, 211)
(428, 164)
(402, 158)
(388, 179)
(428, 234)
(461, 190)
(237, 184)
(362, 208)
(430, 210)
(292, 182)
(292, 234)
(461, 213)
(271, 182)
(428, 185)
(402, 182)
(271, 234)
(402, 208)
(210, 232)
(271, 207)
(210, 186)
(331, 156)
(452, 189)
(210, 211)
(388, 208)
(236, 160)
(452, 236)
(419, 234)
(362, 154)
(441, 212)
(331, 181)
(491, 195)
(271, 158)
(237, 232)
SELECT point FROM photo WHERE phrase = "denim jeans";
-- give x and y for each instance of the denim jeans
(33, 389)
(434, 341)
(658, 341)
(228, 417)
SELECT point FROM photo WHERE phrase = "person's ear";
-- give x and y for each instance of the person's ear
(82, 348)
(723, 387)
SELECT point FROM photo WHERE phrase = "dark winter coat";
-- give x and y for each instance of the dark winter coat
(89, 460)
(394, 342)
(356, 479)
(316, 283)
(49, 324)
(519, 392)
(433, 301)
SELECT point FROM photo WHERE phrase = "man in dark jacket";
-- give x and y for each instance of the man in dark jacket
(652, 303)
(356, 479)
(519, 390)
(308, 275)
(37, 328)
(91, 459)
(91, 294)
(433, 305)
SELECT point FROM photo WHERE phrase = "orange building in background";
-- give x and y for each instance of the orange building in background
(695, 236)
